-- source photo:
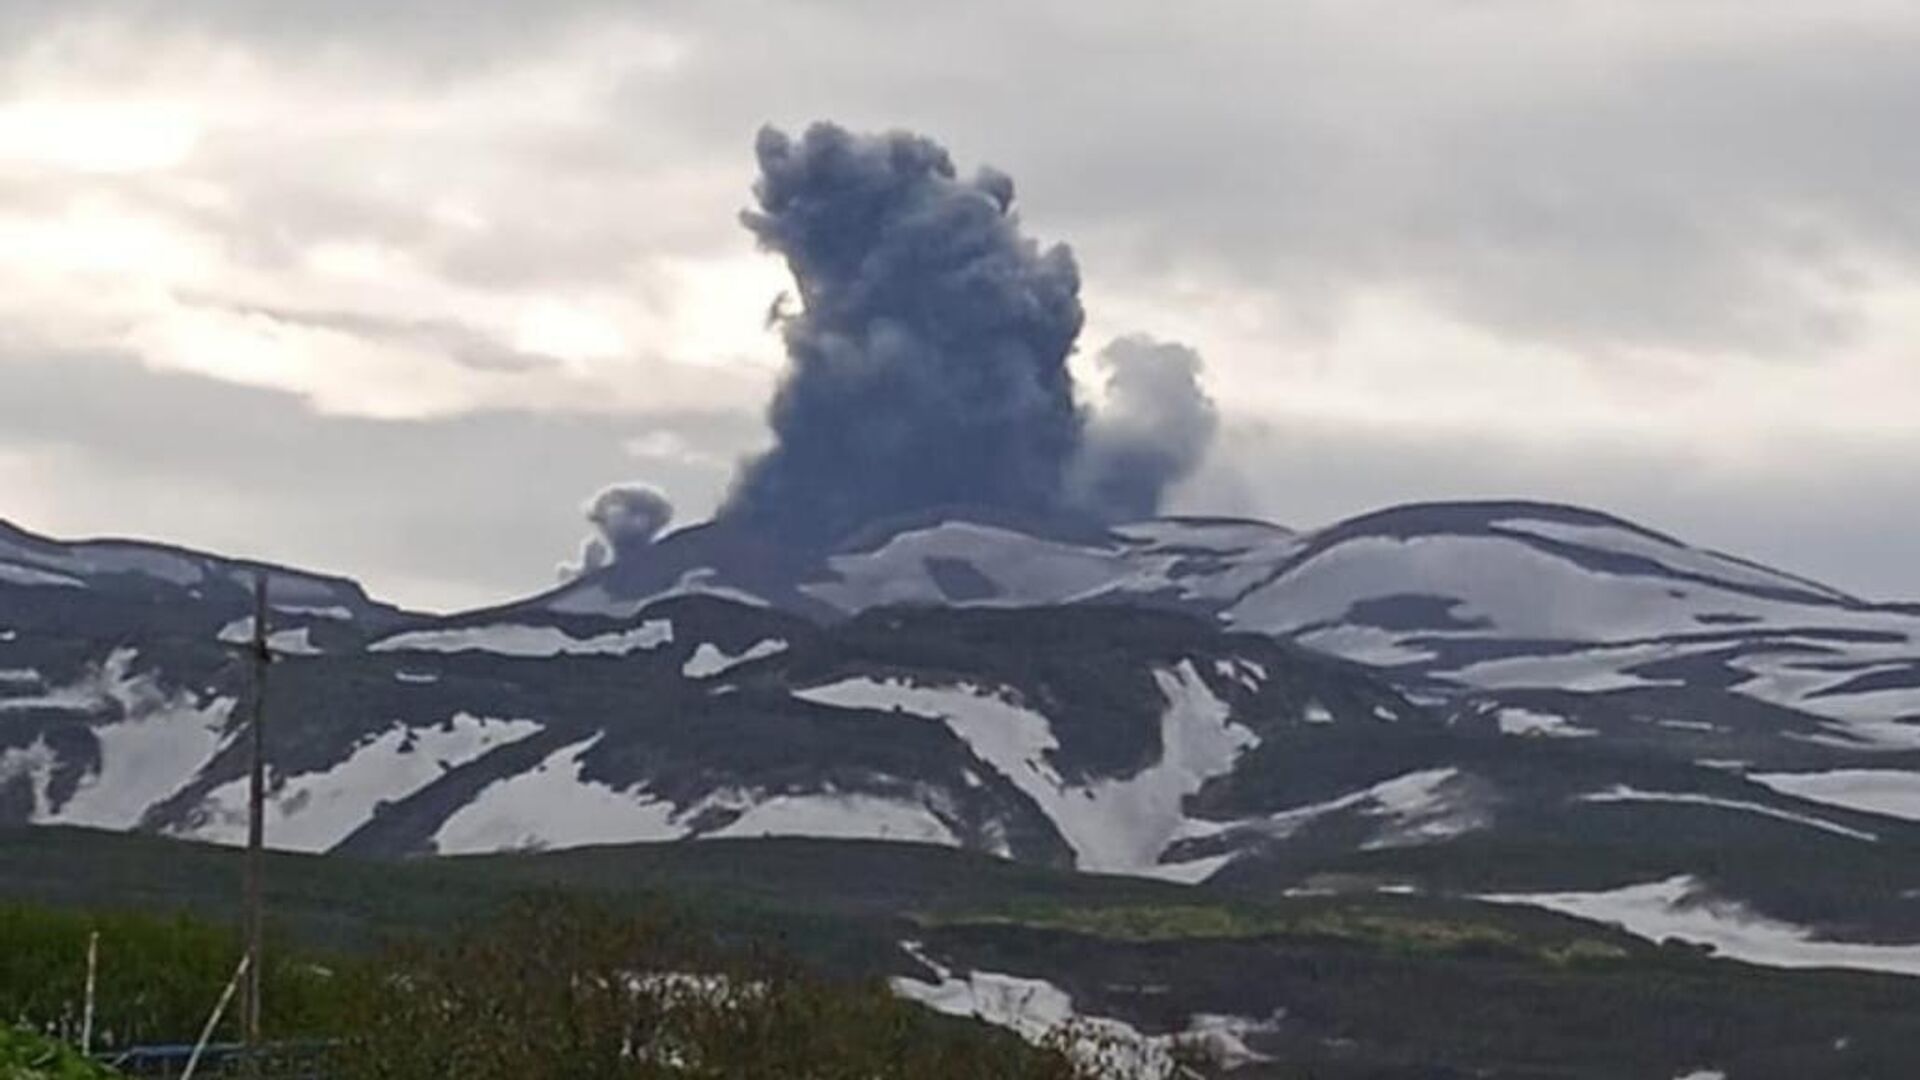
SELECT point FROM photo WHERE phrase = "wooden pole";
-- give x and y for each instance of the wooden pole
(213, 1021)
(86, 1017)
(256, 819)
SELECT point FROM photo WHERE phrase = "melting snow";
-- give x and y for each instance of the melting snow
(1037, 1011)
(315, 811)
(709, 659)
(1041, 1012)
(1623, 793)
(1418, 807)
(295, 642)
(1588, 671)
(36, 762)
(333, 611)
(1023, 569)
(160, 742)
(1526, 722)
(552, 804)
(516, 639)
(1875, 791)
(1113, 825)
(854, 817)
(1680, 907)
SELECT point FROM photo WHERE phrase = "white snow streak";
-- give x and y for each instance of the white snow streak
(1530, 724)
(1624, 793)
(1891, 792)
(161, 741)
(315, 811)
(1679, 907)
(848, 816)
(709, 659)
(513, 639)
(552, 805)
(1116, 825)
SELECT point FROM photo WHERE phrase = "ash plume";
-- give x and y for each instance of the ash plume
(927, 360)
(626, 519)
(1152, 429)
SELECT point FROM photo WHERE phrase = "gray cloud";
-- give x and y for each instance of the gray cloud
(626, 518)
(465, 345)
(1152, 429)
(443, 513)
(929, 360)
(1726, 180)
(1842, 512)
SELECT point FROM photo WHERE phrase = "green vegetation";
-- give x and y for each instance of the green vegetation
(556, 988)
(1367, 986)
(552, 987)
(158, 976)
(1374, 922)
(26, 1056)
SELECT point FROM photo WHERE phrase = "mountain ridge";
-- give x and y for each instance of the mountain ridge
(1192, 698)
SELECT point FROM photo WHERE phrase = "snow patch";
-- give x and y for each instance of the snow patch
(1037, 1011)
(157, 742)
(1419, 807)
(294, 642)
(553, 805)
(709, 660)
(1680, 907)
(1624, 793)
(1530, 724)
(1890, 792)
(1117, 825)
(35, 762)
(315, 811)
(1023, 570)
(852, 817)
(517, 639)
(333, 611)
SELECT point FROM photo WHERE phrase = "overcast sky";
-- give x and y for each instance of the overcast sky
(389, 288)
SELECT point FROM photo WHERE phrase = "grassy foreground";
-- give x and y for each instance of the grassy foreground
(1343, 986)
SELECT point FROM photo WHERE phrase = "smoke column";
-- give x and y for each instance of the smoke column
(626, 519)
(1152, 429)
(927, 361)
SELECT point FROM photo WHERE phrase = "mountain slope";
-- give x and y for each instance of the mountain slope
(1489, 698)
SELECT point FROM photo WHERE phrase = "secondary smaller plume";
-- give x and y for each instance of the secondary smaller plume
(627, 518)
(1151, 431)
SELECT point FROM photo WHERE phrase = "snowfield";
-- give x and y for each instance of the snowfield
(158, 741)
(1889, 792)
(315, 811)
(1119, 825)
(510, 639)
(1680, 907)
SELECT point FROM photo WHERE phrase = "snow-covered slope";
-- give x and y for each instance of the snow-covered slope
(1183, 698)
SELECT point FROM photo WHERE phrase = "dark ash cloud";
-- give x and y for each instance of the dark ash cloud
(1152, 430)
(928, 360)
(628, 518)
